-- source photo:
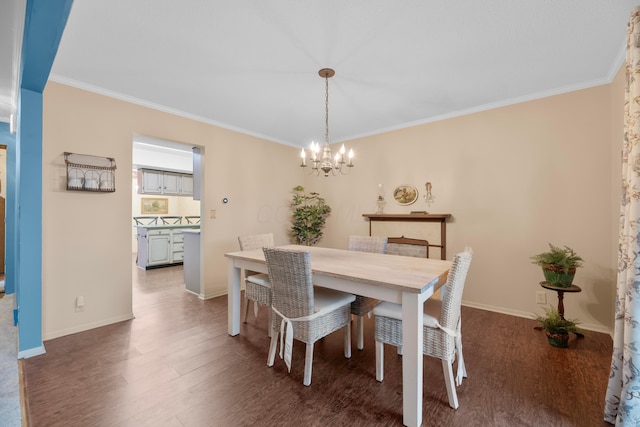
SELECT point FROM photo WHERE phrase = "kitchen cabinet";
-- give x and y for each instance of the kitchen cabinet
(150, 182)
(171, 183)
(158, 245)
(163, 182)
(161, 245)
(186, 188)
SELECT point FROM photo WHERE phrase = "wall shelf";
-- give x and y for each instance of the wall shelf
(441, 218)
(90, 173)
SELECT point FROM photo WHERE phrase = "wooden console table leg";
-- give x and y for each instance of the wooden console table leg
(561, 304)
(561, 310)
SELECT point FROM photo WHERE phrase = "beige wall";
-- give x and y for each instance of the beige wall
(87, 236)
(514, 179)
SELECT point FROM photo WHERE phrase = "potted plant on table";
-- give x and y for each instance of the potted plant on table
(556, 327)
(309, 216)
(558, 265)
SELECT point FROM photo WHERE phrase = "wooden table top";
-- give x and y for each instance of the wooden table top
(398, 272)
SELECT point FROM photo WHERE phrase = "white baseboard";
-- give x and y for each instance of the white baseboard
(213, 294)
(36, 351)
(527, 315)
(87, 326)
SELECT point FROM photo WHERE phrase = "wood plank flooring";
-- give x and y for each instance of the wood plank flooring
(174, 365)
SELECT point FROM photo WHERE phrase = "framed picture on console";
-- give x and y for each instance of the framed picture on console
(405, 194)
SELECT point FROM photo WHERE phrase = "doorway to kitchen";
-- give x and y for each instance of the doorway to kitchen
(166, 209)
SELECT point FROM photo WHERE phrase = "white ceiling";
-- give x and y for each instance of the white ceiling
(252, 65)
(11, 25)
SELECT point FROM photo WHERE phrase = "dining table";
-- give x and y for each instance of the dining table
(408, 281)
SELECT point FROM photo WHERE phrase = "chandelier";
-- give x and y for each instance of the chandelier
(327, 162)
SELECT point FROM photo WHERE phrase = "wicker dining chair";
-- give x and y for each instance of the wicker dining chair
(407, 247)
(363, 305)
(441, 331)
(300, 310)
(257, 286)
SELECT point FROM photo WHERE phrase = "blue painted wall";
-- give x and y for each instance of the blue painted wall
(29, 223)
(44, 24)
(6, 138)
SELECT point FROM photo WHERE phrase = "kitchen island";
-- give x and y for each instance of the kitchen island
(161, 245)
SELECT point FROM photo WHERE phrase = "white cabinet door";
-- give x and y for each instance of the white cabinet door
(171, 183)
(187, 185)
(159, 249)
(152, 182)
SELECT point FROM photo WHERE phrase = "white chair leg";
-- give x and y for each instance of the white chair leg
(269, 324)
(462, 370)
(308, 365)
(360, 331)
(273, 346)
(347, 341)
(246, 310)
(447, 369)
(379, 360)
(255, 309)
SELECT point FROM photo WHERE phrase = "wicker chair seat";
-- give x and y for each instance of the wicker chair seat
(312, 312)
(257, 286)
(436, 343)
(441, 329)
(335, 303)
(363, 305)
(258, 289)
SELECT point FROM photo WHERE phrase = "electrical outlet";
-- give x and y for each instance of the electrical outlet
(80, 303)
(541, 297)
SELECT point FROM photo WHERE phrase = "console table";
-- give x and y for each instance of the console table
(441, 218)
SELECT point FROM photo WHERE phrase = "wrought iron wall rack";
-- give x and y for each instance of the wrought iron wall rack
(90, 173)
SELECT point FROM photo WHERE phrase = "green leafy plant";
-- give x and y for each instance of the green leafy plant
(309, 216)
(563, 258)
(553, 323)
(558, 265)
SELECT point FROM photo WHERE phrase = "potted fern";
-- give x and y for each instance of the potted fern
(556, 327)
(309, 216)
(558, 265)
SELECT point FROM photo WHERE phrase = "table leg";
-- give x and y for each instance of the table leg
(412, 312)
(233, 298)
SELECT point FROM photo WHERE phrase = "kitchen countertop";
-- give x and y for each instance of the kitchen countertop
(156, 227)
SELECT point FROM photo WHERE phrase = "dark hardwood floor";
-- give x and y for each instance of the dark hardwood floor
(175, 365)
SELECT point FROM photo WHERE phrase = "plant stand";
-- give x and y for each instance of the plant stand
(561, 290)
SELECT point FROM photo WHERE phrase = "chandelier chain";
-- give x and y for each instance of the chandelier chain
(326, 109)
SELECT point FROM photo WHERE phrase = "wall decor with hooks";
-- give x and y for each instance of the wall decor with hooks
(90, 173)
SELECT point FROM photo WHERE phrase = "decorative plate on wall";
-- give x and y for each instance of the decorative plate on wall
(405, 194)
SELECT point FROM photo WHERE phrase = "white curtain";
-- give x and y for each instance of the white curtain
(622, 404)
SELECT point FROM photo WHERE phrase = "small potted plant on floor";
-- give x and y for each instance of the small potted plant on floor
(558, 265)
(556, 328)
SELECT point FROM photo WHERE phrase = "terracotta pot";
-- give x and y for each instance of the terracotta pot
(558, 340)
(557, 277)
